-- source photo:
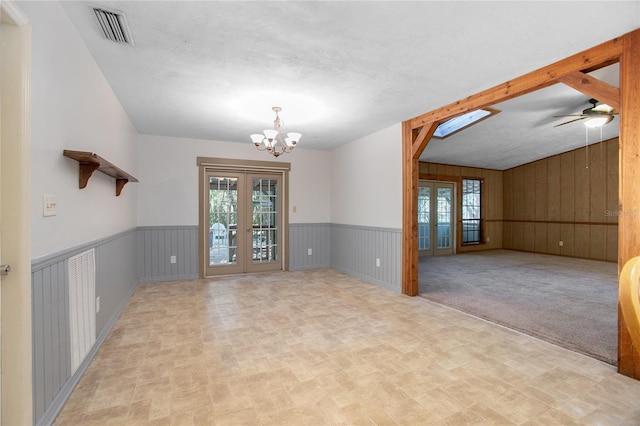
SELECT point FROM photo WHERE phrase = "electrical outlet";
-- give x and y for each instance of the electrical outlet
(488, 239)
(309, 252)
(377, 262)
(561, 243)
(97, 304)
(173, 259)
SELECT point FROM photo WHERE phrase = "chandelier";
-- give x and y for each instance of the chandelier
(272, 141)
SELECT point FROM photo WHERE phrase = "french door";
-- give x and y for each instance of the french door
(435, 218)
(244, 212)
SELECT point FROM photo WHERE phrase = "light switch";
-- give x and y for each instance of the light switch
(49, 205)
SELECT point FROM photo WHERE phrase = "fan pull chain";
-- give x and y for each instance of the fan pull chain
(601, 142)
(586, 147)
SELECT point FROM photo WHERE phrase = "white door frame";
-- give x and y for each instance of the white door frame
(16, 393)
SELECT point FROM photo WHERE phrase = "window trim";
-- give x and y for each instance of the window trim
(481, 208)
(492, 112)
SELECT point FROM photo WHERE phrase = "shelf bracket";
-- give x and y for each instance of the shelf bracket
(89, 162)
(120, 183)
(86, 170)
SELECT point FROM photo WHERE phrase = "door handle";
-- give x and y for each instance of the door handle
(5, 269)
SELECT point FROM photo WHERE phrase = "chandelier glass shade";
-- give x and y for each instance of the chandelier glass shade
(272, 141)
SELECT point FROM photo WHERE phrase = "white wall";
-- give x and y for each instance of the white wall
(168, 173)
(366, 180)
(73, 107)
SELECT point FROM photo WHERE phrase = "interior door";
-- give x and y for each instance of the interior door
(435, 218)
(244, 233)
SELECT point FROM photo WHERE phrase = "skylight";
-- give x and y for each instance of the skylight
(456, 124)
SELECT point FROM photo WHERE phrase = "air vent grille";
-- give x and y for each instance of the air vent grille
(113, 24)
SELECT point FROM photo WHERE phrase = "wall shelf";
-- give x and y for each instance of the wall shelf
(90, 162)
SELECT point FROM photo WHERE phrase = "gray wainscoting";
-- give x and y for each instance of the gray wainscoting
(354, 250)
(144, 255)
(156, 245)
(309, 236)
(116, 280)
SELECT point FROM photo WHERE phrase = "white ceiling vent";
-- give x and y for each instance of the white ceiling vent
(113, 24)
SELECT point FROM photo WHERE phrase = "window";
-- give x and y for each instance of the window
(456, 124)
(471, 211)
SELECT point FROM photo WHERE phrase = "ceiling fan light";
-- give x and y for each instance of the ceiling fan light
(598, 121)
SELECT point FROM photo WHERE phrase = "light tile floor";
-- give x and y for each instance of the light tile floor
(319, 347)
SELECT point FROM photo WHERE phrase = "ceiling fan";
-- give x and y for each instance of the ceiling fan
(596, 116)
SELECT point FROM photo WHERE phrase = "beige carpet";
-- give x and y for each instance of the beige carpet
(565, 301)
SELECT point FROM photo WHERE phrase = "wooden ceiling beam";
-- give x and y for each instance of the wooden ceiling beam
(593, 88)
(591, 59)
(423, 138)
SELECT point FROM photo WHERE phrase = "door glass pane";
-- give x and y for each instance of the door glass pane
(223, 220)
(265, 220)
(424, 210)
(444, 218)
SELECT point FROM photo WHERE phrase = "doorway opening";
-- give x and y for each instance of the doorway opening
(243, 216)
(16, 345)
(572, 71)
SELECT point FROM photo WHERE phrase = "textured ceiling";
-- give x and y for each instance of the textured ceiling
(343, 70)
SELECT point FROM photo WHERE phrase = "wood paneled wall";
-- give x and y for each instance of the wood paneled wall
(570, 197)
(492, 205)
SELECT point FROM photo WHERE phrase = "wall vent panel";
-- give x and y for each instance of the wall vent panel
(82, 306)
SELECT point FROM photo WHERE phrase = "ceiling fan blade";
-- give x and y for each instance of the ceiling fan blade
(570, 121)
(571, 115)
